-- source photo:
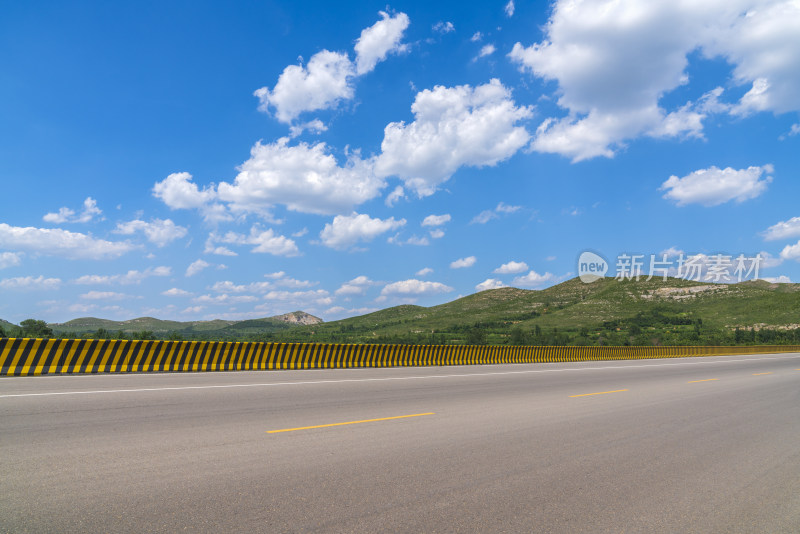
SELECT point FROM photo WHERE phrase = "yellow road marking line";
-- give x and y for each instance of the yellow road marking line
(759, 374)
(598, 393)
(706, 380)
(349, 422)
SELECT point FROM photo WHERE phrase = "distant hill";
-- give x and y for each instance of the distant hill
(5, 325)
(206, 329)
(668, 310)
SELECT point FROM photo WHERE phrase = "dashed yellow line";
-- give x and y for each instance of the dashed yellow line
(759, 374)
(349, 422)
(598, 393)
(706, 380)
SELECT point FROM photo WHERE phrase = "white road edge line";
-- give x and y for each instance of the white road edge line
(386, 379)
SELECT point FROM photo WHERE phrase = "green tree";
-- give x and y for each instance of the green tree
(518, 337)
(102, 333)
(35, 328)
(2, 332)
(476, 336)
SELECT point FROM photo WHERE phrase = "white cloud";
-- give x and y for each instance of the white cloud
(131, 277)
(295, 299)
(193, 309)
(512, 267)
(532, 279)
(614, 60)
(303, 177)
(452, 127)
(487, 215)
(489, 283)
(436, 220)
(791, 252)
(29, 282)
(713, 186)
(315, 126)
(395, 196)
(356, 286)
(486, 50)
(415, 287)
(178, 191)
(104, 295)
(347, 230)
(322, 84)
(379, 40)
(176, 292)
(196, 266)
(509, 9)
(443, 27)
(768, 260)
(58, 242)
(424, 271)
(66, 215)
(263, 241)
(158, 231)
(782, 279)
(463, 262)
(438, 233)
(477, 36)
(9, 259)
(328, 77)
(82, 308)
(671, 252)
(783, 230)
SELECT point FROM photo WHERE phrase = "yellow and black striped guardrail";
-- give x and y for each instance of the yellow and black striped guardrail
(27, 357)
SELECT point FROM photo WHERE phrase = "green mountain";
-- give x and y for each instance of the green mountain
(216, 329)
(8, 327)
(606, 311)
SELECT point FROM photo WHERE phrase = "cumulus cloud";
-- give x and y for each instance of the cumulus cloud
(533, 279)
(614, 60)
(347, 230)
(452, 127)
(263, 241)
(303, 177)
(782, 279)
(158, 231)
(196, 266)
(131, 277)
(424, 271)
(783, 230)
(66, 215)
(379, 40)
(463, 262)
(436, 220)
(476, 37)
(356, 286)
(414, 287)
(178, 191)
(489, 283)
(714, 186)
(437, 233)
(9, 259)
(322, 84)
(512, 267)
(791, 252)
(62, 243)
(225, 299)
(30, 282)
(328, 77)
(509, 9)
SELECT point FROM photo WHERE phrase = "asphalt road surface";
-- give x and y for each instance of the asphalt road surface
(685, 445)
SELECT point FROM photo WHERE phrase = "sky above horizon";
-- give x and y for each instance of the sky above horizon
(202, 160)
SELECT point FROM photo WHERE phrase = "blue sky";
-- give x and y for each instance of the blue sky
(200, 160)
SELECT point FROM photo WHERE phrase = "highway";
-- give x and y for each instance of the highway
(674, 445)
